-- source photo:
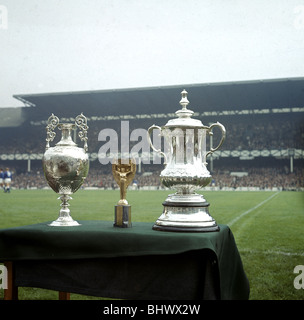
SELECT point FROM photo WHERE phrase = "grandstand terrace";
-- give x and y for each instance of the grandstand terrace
(264, 121)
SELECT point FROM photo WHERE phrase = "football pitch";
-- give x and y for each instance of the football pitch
(268, 228)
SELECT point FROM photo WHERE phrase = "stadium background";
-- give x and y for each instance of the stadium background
(264, 148)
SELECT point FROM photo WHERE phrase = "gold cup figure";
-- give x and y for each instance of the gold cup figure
(123, 172)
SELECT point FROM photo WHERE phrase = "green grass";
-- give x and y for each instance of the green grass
(270, 237)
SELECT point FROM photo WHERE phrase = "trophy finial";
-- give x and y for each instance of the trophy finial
(184, 101)
(184, 112)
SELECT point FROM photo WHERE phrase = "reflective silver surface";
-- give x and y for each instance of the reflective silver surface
(65, 165)
(186, 171)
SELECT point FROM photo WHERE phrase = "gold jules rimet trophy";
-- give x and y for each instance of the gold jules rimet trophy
(123, 172)
(185, 171)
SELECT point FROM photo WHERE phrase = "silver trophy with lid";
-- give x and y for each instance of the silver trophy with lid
(185, 171)
(65, 165)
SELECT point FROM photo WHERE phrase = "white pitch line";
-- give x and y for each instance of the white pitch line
(251, 209)
(273, 252)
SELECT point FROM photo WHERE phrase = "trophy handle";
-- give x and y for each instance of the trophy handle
(81, 123)
(53, 122)
(209, 131)
(151, 144)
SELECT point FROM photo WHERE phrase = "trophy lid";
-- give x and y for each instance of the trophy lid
(184, 115)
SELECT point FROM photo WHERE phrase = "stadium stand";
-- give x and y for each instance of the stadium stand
(264, 148)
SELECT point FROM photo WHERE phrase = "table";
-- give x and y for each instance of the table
(98, 259)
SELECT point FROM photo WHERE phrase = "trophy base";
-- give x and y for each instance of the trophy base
(185, 229)
(188, 216)
(64, 222)
(122, 216)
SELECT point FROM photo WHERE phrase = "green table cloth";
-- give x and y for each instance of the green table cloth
(132, 263)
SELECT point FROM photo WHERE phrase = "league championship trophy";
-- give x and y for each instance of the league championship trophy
(65, 166)
(185, 171)
(123, 171)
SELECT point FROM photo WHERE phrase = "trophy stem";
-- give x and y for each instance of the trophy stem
(64, 219)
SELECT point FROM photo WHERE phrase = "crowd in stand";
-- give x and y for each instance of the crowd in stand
(256, 133)
(242, 134)
(262, 178)
(265, 135)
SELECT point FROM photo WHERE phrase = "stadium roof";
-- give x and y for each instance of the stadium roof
(257, 94)
(11, 117)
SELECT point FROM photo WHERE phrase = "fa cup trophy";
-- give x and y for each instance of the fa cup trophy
(65, 166)
(123, 171)
(185, 170)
